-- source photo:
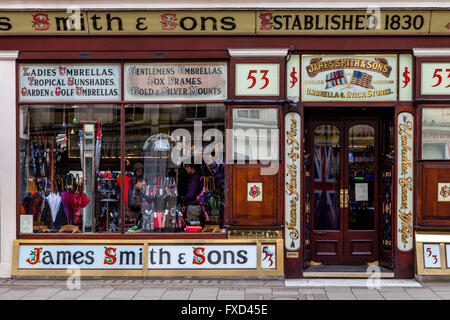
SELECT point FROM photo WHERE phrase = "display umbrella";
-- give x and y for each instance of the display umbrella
(79, 201)
(54, 201)
(66, 197)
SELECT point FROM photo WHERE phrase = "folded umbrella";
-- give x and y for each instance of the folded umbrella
(65, 197)
(54, 201)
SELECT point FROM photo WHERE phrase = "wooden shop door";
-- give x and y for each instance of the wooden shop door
(343, 193)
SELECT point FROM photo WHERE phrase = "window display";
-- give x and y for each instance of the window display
(71, 178)
(175, 183)
(436, 133)
(70, 166)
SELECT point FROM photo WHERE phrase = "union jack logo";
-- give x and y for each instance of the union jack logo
(325, 211)
(335, 78)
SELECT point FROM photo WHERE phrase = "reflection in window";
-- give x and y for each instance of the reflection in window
(326, 177)
(361, 177)
(436, 133)
(71, 162)
(255, 134)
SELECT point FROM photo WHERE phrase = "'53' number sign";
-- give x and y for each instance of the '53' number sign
(257, 79)
(432, 255)
(436, 78)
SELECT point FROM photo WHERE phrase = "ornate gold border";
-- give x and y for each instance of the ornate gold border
(145, 272)
(349, 55)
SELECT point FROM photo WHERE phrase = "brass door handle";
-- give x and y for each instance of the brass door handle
(341, 202)
(346, 199)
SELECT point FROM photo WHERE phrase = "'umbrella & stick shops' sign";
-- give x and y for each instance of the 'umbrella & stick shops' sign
(349, 78)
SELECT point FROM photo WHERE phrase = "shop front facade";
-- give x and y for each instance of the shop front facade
(257, 143)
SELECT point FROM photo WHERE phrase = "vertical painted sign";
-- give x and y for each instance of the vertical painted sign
(405, 183)
(293, 78)
(405, 77)
(292, 180)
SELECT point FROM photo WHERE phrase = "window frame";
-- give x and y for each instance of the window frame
(122, 102)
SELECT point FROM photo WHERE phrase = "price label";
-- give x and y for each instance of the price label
(432, 255)
(257, 79)
(436, 78)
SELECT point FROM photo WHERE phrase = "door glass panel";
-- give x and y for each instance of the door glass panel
(361, 177)
(326, 177)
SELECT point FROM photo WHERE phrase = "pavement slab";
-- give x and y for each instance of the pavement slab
(67, 294)
(443, 294)
(122, 294)
(150, 293)
(219, 289)
(42, 293)
(340, 295)
(15, 294)
(174, 294)
(95, 293)
(396, 295)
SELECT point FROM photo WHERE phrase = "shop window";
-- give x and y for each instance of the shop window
(436, 133)
(255, 134)
(69, 166)
(174, 167)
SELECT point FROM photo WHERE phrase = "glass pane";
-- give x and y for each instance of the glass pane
(326, 177)
(70, 166)
(166, 189)
(361, 177)
(255, 134)
(436, 133)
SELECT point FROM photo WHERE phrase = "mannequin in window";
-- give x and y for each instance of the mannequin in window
(190, 204)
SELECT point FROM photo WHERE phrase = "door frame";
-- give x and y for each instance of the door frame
(344, 122)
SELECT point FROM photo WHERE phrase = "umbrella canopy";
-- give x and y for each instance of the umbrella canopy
(65, 197)
(54, 201)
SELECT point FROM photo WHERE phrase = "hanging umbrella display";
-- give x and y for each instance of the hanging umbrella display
(65, 198)
(98, 144)
(79, 201)
(54, 201)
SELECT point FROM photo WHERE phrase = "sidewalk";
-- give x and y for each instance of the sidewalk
(214, 289)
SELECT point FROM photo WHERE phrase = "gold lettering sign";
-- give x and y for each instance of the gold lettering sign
(292, 183)
(379, 65)
(405, 181)
(225, 22)
(353, 22)
(130, 22)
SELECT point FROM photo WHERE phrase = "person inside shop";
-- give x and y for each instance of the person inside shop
(136, 198)
(138, 173)
(190, 204)
(133, 187)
